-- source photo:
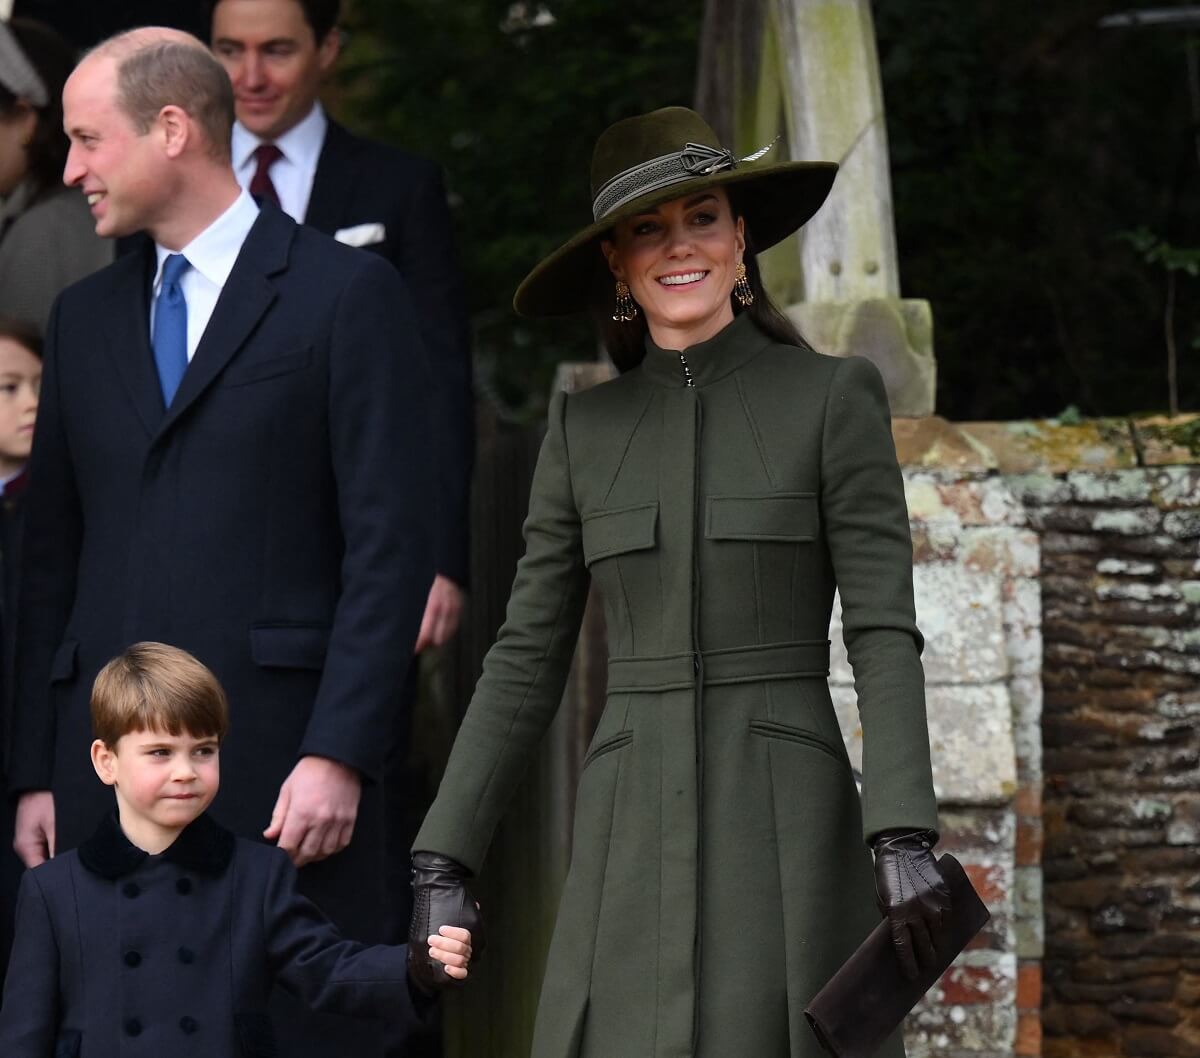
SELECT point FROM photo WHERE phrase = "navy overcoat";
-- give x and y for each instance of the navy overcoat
(123, 954)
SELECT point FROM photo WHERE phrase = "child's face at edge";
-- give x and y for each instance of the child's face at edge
(162, 782)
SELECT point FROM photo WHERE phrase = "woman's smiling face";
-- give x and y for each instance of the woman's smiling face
(680, 260)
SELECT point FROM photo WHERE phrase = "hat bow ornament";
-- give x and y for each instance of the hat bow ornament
(696, 159)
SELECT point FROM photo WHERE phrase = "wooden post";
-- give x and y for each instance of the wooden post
(807, 70)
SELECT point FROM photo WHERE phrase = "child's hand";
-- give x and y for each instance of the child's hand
(451, 946)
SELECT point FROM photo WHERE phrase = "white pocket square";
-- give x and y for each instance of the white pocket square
(361, 234)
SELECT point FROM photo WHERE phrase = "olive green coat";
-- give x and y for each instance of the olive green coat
(719, 873)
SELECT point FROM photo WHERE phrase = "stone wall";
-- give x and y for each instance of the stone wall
(1113, 509)
(1121, 596)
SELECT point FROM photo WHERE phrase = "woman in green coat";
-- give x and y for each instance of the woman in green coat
(718, 492)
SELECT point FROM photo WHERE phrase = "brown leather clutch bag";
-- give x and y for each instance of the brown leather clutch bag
(868, 998)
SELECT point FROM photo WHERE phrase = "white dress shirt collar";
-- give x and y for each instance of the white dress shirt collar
(293, 174)
(213, 252)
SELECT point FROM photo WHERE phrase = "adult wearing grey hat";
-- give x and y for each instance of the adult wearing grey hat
(47, 236)
(717, 492)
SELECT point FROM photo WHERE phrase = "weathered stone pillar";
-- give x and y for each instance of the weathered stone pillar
(807, 70)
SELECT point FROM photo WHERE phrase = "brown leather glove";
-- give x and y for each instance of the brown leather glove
(913, 895)
(440, 898)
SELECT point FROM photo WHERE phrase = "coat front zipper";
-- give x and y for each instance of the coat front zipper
(687, 373)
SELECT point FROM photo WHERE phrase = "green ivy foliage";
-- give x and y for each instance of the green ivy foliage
(510, 98)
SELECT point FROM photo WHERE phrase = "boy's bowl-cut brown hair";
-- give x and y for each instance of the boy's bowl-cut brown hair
(156, 687)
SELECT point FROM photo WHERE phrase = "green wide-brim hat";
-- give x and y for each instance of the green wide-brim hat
(644, 161)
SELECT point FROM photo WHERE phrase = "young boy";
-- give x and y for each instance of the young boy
(163, 933)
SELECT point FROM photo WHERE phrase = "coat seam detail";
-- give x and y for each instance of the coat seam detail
(758, 441)
(625, 451)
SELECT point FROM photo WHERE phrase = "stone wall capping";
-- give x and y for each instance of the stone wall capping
(1163, 441)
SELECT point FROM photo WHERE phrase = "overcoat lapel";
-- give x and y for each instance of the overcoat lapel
(332, 181)
(128, 328)
(245, 298)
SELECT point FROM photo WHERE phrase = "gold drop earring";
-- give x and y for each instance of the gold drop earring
(741, 286)
(626, 309)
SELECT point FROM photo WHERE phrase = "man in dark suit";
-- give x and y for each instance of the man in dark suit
(365, 194)
(231, 456)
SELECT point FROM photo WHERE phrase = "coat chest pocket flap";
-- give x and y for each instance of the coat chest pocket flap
(787, 517)
(270, 367)
(617, 531)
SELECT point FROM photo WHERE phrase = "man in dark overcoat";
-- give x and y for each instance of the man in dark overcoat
(231, 456)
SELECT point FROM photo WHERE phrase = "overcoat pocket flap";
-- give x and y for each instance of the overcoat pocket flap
(616, 531)
(239, 374)
(783, 516)
(65, 663)
(289, 646)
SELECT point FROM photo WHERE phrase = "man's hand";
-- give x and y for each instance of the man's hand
(443, 611)
(33, 838)
(315, 813)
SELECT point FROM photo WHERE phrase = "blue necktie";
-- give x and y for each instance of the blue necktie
(170, 327)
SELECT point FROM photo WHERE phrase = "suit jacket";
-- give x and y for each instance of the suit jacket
(272, 522)
(119, 953)
(359, 182)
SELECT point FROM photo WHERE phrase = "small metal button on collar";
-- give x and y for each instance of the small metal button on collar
(133, 958)
(133, 1027)
(131, 889)
(183, 886)
(186, 956)
(188, 1024)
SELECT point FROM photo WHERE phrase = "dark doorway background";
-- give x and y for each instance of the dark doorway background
(86, 22)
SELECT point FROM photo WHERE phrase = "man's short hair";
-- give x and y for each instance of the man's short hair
(156, 687)
(166, 73)
(321, 15)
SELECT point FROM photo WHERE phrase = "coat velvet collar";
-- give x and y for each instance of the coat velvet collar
(205, 847)
(735, 345)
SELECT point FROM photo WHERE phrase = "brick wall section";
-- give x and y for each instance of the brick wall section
(1112, 807)
(1121, 611)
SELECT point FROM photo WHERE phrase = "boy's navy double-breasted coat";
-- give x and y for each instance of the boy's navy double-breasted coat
(719, 874)
(123, 954)
(274, 522)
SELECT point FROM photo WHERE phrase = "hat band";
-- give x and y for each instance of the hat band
(694, 160)
(17, 73)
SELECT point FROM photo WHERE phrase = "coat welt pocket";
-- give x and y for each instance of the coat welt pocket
(617, 531)
(289, 646)
(786, 733)
(260, 370)
(65, 664)
(788, 517)
(621, 738)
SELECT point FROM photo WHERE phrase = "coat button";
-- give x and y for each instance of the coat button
(133, 1027)
(131, 889)
(133, 958)
(183, 886)
(188, 1024)
(186, 956)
